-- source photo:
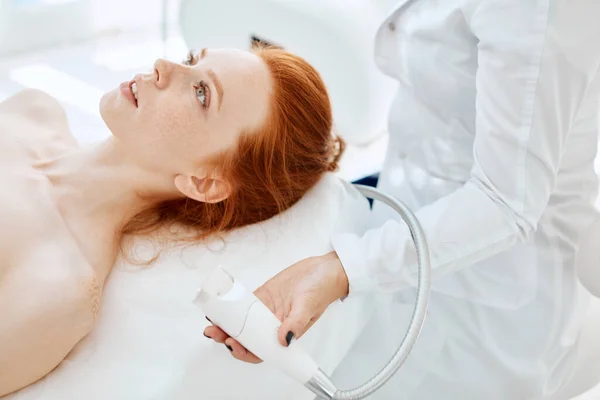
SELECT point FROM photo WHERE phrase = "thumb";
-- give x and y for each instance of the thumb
(296, 323)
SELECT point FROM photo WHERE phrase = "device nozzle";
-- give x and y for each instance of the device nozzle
(321, 385)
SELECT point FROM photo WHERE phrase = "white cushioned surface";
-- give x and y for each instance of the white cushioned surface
(148, 341)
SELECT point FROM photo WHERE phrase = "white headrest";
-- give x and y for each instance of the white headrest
(336, 37)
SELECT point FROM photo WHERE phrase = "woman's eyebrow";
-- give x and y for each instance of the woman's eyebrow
(214, 78)
(217, 84)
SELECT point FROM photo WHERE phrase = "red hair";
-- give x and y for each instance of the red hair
(269, 169)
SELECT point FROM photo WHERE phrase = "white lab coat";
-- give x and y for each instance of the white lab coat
(493, 136)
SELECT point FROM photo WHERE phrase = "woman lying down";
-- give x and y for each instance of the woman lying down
(226, 139)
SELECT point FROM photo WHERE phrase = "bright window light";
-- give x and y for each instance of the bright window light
(59, 85)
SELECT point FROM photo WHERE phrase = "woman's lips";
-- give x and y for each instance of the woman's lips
(125, 88)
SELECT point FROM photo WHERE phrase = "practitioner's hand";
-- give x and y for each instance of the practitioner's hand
(298, 296)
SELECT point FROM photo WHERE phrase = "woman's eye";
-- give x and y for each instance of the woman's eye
(201, 94)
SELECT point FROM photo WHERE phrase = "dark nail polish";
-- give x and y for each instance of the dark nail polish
(229, 347)
(208, 319)
(205, 335)
(289, 337)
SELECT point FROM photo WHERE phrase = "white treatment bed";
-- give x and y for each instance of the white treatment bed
(148, 342)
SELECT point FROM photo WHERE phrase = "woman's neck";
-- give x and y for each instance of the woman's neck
(100, 184)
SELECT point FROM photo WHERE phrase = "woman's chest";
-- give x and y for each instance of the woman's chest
(31, 220)
(27, 213)
(27, 208)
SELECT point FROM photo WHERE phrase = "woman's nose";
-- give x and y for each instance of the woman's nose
(163, 71)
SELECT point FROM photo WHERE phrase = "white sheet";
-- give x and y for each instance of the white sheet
(148, 342)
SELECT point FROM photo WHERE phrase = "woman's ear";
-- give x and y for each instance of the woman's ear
(206, 190)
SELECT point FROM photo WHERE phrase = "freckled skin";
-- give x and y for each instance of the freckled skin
(176, 130)
(94, 294)
(62, 206)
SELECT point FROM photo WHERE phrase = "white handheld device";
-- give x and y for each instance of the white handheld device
(240, 314)
(245, 318)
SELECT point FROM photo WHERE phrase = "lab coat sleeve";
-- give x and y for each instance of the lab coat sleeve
(530, 81)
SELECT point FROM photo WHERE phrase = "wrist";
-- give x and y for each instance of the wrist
(340, 278)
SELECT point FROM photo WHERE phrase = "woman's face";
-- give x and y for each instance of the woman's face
(187, 113)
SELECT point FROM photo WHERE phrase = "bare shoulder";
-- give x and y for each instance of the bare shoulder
(36, 108)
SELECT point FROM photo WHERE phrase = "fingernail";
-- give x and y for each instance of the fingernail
(208, 319)
(229, 347)
(289, 337)
(206, 335)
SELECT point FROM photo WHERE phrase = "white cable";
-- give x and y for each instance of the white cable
(420, 309)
